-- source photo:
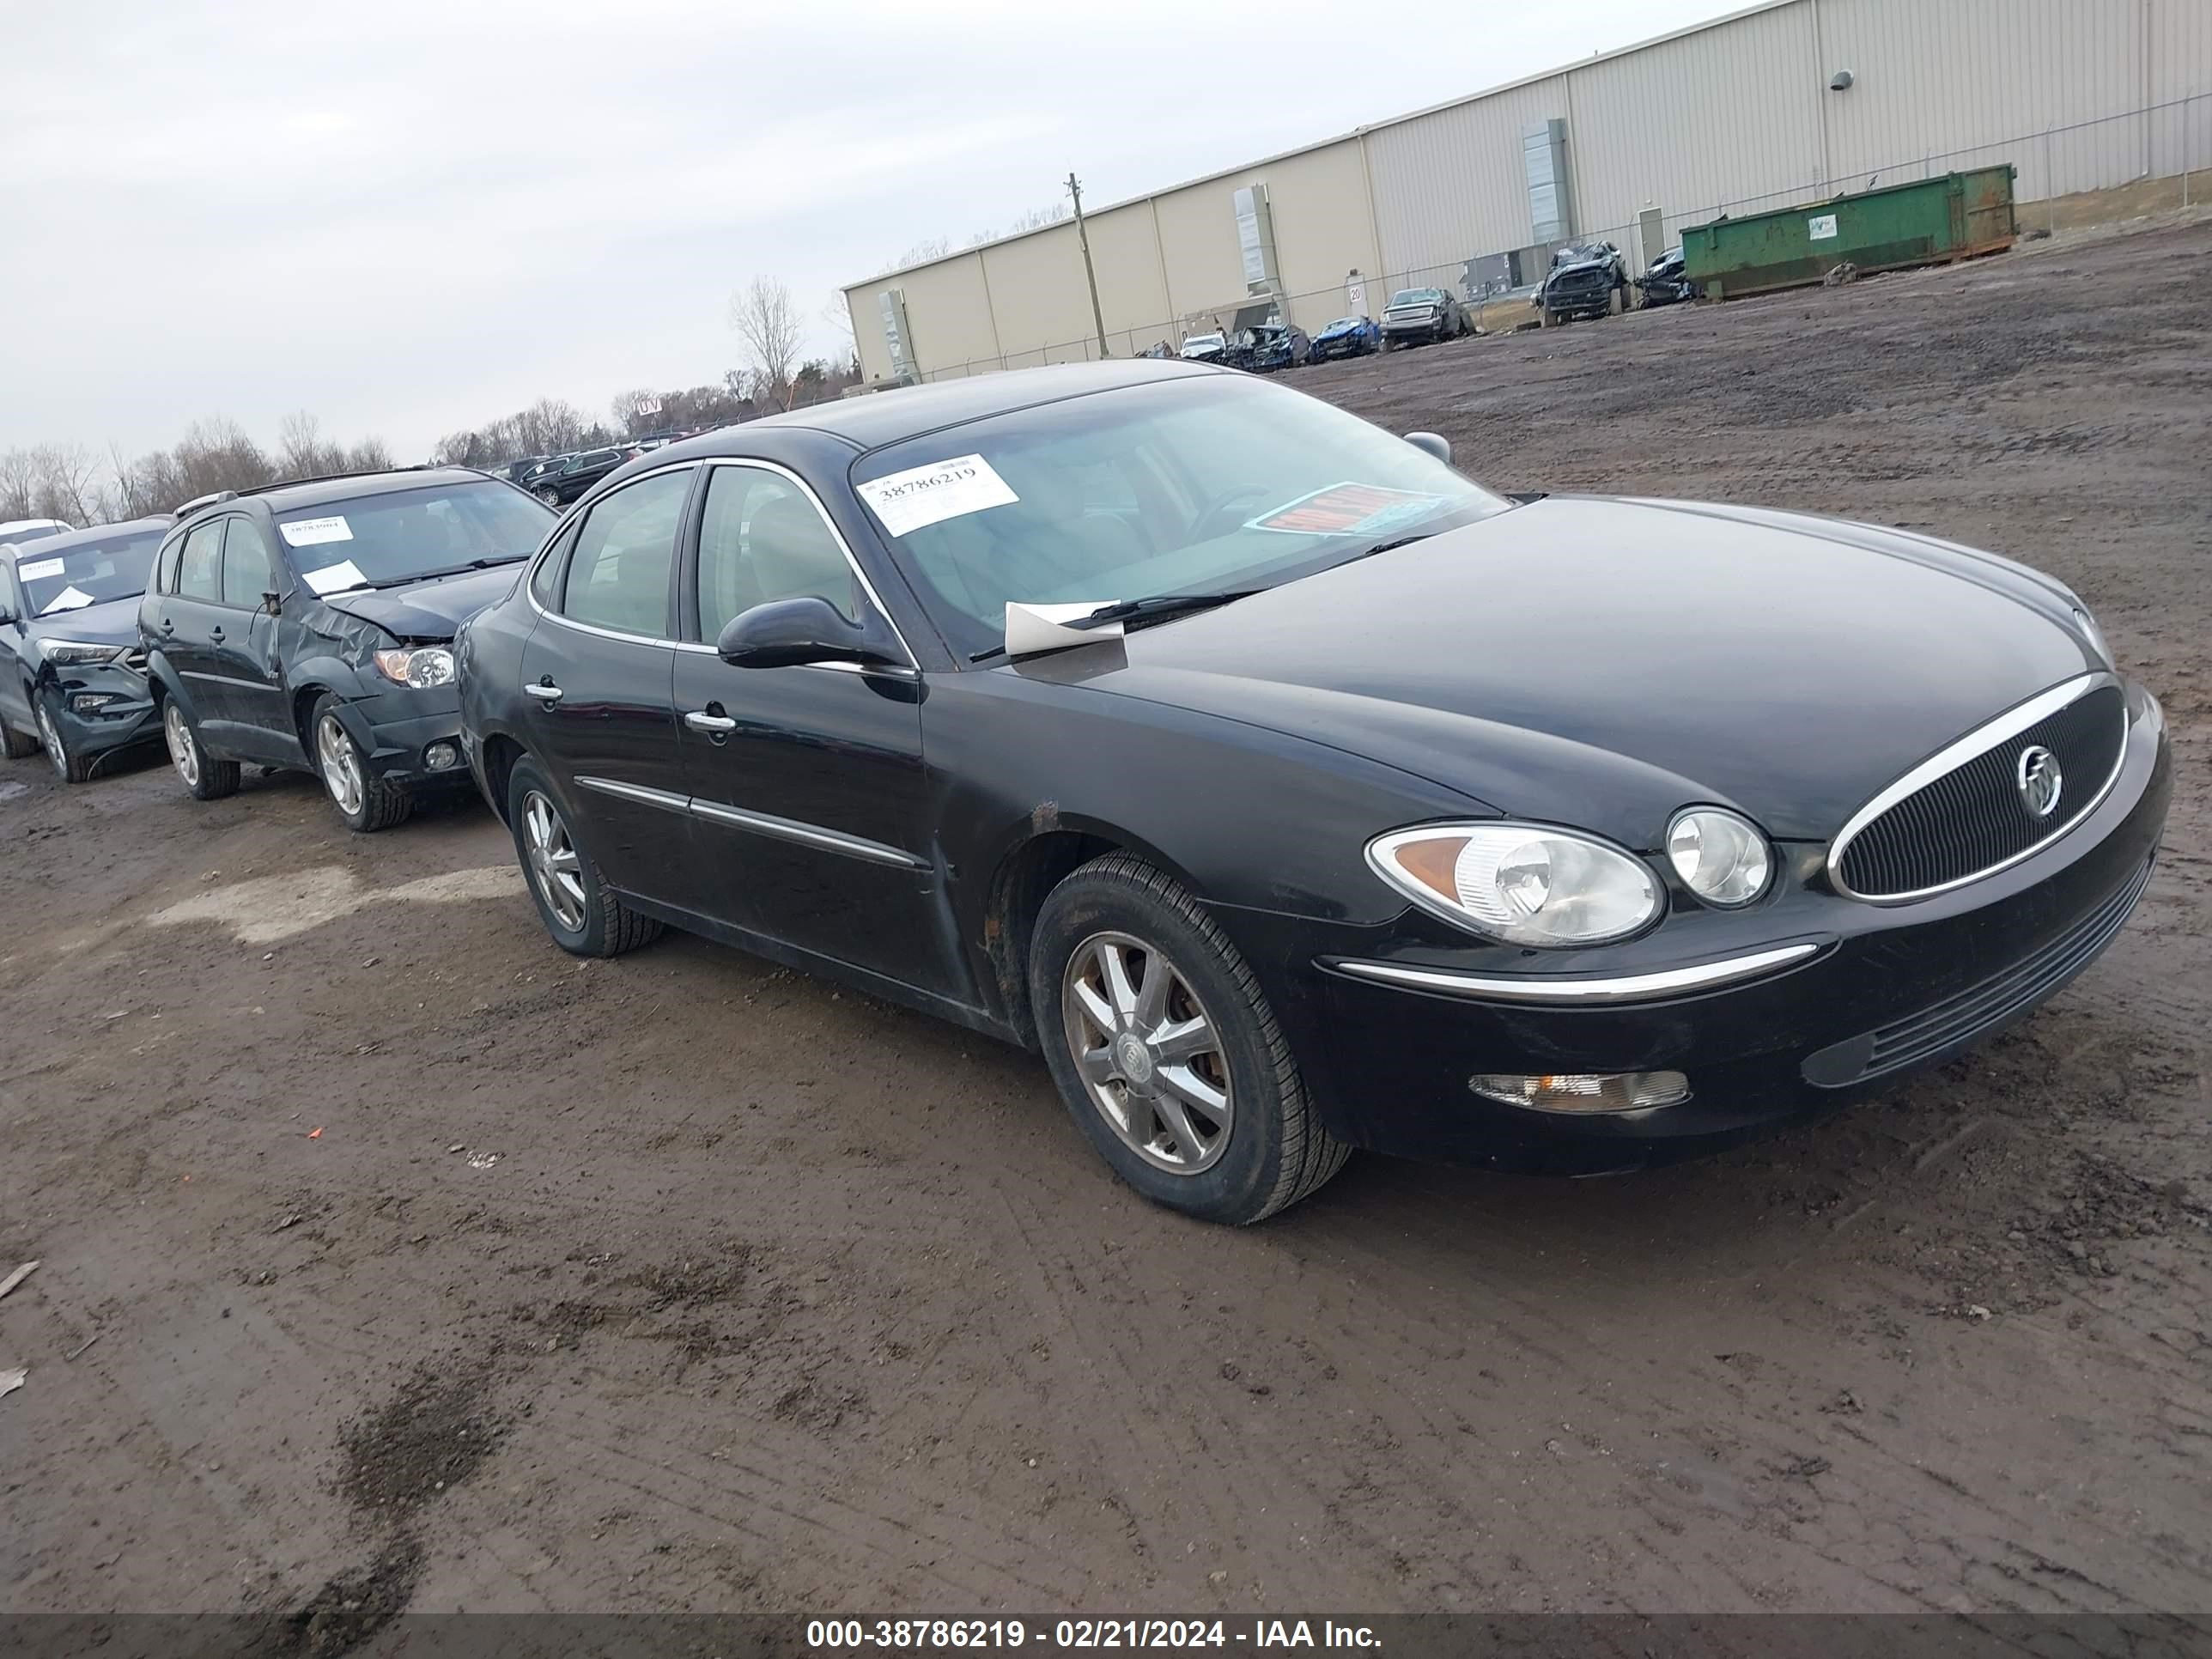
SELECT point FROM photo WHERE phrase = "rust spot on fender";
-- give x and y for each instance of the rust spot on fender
(1046, 818)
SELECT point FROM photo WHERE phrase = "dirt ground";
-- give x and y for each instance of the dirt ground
(392, 1259)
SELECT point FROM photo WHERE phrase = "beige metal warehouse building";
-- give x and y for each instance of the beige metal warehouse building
(1741, 114)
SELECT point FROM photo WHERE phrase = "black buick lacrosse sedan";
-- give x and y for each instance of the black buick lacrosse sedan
(1291, 793)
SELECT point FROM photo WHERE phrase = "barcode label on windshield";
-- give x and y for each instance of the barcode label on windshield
(307, 533)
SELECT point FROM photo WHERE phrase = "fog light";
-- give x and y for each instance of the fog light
(441, 756)
(91, 702)
(1625, 1091)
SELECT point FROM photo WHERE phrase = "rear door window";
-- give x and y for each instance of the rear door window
(619, 576)
(200, 575)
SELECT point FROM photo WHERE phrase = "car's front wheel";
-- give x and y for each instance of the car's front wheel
(551, 497)
(366, 802)
(207, 778)
(579, 909)
(1164, 1048)
(70, 769)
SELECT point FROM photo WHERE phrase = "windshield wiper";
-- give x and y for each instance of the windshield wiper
(451, 570)
(1140, 613)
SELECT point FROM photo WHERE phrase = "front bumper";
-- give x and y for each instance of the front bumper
(396, 731)
(128, 719)
(1886, 991)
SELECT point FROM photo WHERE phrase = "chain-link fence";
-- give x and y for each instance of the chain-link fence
(2164, 148)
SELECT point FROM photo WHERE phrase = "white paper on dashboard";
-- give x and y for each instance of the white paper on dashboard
(1034, 627)
(929, 494)
(72, 598)
(37, 569)
(332, 577)
(307, 533)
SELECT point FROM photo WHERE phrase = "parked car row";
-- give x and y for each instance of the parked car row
(1127, 712)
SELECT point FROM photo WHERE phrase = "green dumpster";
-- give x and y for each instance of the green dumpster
(1953, 216)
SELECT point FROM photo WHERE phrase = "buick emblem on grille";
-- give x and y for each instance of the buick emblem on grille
(2040, 779)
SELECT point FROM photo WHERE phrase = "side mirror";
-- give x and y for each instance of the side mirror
(1434, 443)
(272, 602)
(786, 633)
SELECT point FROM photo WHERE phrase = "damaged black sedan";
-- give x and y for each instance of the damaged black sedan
(310, 626)
(1291, 793)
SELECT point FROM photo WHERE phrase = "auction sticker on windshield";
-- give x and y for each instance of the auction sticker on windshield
(924, 496)
(307, 532)
(334, 578)
(1349, 509)
(41, 568)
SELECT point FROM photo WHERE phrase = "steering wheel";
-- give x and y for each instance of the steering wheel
(1202, 528)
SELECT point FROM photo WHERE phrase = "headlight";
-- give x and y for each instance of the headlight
(1523, 882)
(417, 665)
(67, 653)
(1720, 857)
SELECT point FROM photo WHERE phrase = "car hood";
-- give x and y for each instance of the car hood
(432, 609)
(113, 622)
(1604, 662)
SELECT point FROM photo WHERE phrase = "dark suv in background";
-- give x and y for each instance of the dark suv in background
(557, 487)
(72, 677)
(310, 625)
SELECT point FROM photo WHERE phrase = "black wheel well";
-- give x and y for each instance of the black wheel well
(501, 752)
(1017, 892)
(303, 709)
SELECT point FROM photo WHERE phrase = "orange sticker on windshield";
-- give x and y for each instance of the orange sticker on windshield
(1349, 509)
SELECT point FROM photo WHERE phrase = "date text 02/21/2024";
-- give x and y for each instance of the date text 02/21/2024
(855, 1635)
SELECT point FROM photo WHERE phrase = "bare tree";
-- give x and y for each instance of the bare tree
(766, 325)
(1038, 218)
(636, 411)
(18, 483)
(922, 252)
(66, 483)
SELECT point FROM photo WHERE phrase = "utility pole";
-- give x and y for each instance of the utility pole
(1090, 275)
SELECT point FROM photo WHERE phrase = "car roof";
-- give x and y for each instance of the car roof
(887, 417)
(46, 546)
(318, 492)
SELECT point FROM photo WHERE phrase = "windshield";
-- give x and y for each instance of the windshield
(91, 572)
(1417, 296)
(409, 533)
(1180, 487)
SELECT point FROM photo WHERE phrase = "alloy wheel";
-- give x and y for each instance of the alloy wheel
(554, 865)
(183, 751)
(1149, 1055)
(49, 735)
(340, 764)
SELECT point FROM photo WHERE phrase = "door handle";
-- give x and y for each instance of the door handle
(705, 720)
(545, 692)
(167, 627)
(215, 633)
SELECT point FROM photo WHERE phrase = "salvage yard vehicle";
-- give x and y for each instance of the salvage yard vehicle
(1347, 336)
(17, 530)
(1416, 316)
(1272, 346)
(1586, 280)
(310, 625)
(1292, 792)
(72, 677)
(1667, 283)
(558, 486)
(1204, 348)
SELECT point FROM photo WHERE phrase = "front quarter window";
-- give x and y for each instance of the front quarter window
(1178, 487)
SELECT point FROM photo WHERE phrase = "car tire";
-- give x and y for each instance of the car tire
(551, 497)
(579, 909)
(207, 778)
(366, 802)
(1227, 1132)
(16, 745)
(70, 769)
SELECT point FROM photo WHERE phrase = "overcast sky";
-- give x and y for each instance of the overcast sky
(410, 217)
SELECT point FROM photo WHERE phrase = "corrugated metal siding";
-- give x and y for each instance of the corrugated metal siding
(1719, 117)
(1967, 84)
(1449, 186)
(2181, 38)
(1319, 201)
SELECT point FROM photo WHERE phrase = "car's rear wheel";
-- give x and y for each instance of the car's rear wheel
(207, 778)
(1166, 1051)
(551, 497)
(70, 769)
(366, 802)
(579, 909)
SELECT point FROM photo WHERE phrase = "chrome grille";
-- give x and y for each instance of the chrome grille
(1970, 818)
